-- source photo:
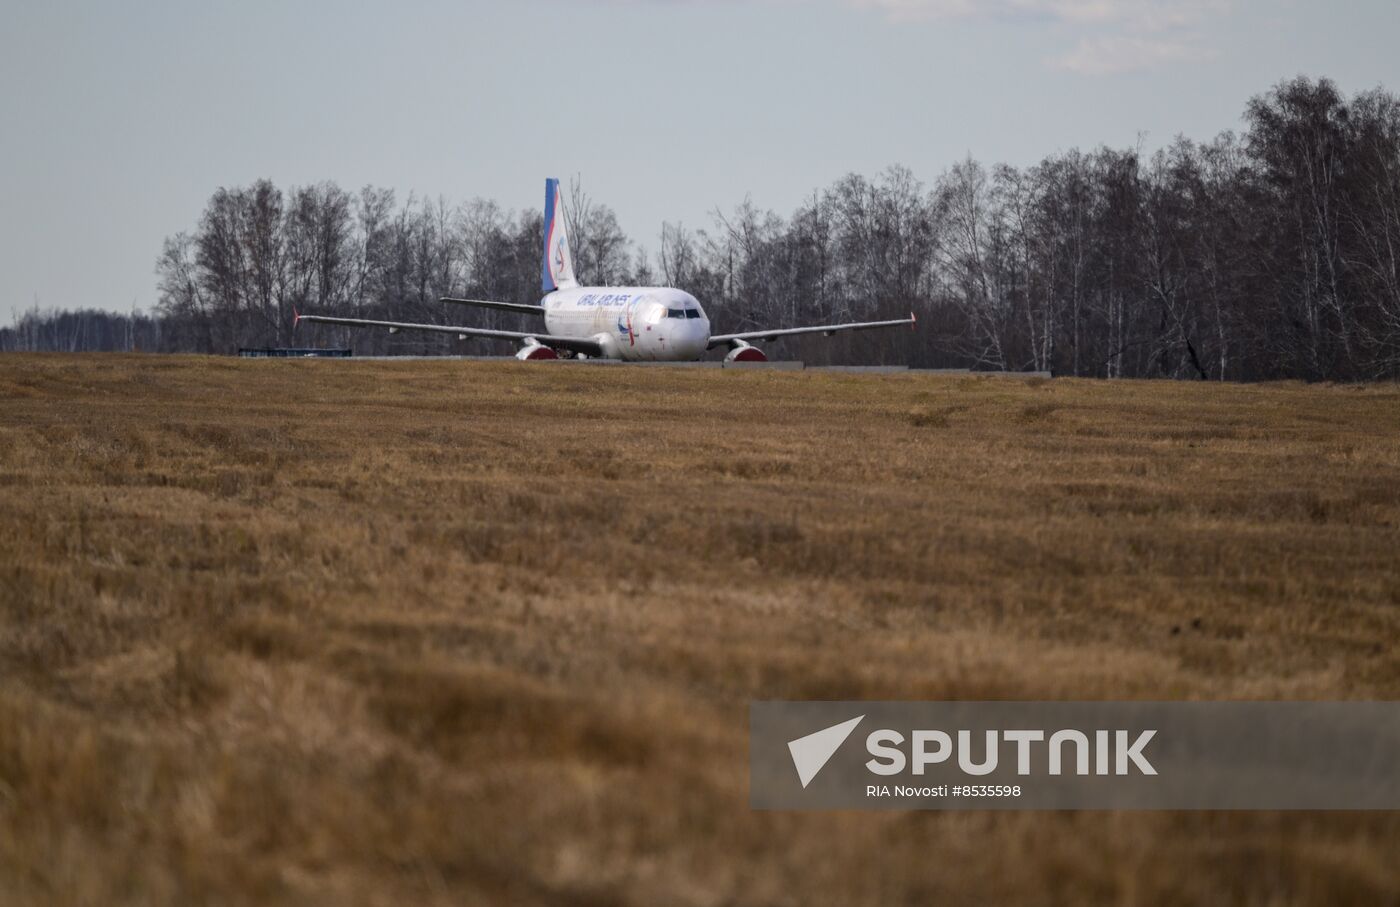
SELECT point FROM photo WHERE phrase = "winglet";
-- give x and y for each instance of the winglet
(913, 321)
(296, 317)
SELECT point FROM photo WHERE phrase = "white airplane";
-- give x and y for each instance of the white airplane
(652, 324)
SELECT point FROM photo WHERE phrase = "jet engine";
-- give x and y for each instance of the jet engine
(532, 351)
(742, 352)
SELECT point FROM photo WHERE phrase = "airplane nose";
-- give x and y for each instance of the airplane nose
(693, 338)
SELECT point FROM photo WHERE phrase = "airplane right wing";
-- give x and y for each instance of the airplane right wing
(828, 329)
(585, 345)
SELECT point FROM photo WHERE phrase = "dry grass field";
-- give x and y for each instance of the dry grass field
(447, 633)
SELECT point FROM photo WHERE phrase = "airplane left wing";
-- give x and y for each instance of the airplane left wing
(828, 329)
(585, 345)
(519, 307)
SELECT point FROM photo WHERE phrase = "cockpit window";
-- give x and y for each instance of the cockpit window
(675, 313)
(692, 313)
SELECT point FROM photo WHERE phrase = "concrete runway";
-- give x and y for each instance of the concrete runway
(782, 365)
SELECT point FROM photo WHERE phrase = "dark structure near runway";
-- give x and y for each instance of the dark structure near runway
(292, 353)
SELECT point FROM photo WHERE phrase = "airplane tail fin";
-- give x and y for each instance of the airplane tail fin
(558, 271)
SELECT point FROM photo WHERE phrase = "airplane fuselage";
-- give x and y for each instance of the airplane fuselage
(637, 324)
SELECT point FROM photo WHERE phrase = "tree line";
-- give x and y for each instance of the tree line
(1271, 253)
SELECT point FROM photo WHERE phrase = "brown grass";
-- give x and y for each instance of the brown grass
(390, 633)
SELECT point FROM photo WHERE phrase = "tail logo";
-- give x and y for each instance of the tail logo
(559, 251)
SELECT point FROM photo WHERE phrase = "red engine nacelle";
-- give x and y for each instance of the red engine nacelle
(535, 352)
(746, 354)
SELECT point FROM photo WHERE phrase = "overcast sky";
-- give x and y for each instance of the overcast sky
(118, 120)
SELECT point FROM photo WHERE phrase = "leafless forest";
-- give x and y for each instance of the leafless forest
(1273, 253)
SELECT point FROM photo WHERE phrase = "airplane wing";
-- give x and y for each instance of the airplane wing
(583, 345)
(501, 306)
(828, 329)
